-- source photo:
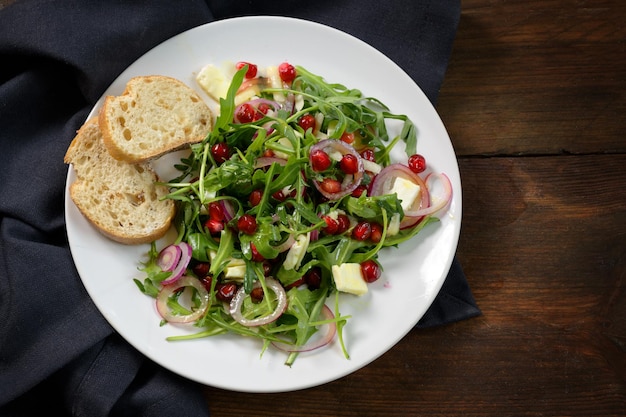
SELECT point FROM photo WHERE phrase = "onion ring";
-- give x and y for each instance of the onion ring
(167, 290)
(169, 257)
(181, 267)
(437, 202)
(281, 305)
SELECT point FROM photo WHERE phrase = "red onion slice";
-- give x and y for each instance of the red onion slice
(169, 257)
(281, 305)
(167, 291)
(437, 200)
(266, 161)
(181, 267)
(318, 340)
(350, 182)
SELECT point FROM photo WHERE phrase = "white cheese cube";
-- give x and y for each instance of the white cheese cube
(348, 278)
(213, 81)
(296, 252)
(406, 191)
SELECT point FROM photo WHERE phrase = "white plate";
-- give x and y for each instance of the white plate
(413, 274)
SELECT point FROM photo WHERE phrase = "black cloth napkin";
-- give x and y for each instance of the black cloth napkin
(57, 353)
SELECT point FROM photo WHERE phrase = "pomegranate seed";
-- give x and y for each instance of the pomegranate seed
(252, 69)
(256, 256)
(287, 72)
(216, 211)
(313, 278)
(332, 225)
(206, 281)
(358, 191)
(220, 152)
(268, 153)
(247, 224)
(349, 164)
(320, 161)
(226, 291)
(369, 155)
(296, 283)
(267, 268)
(307, 122)
(377, 233)
(370, 270)
(417, 163)
(256, 295)
(344, 223)
(214, 226)
(347, 137)
(201, 269)
(264, 108)
(281, 196)
(362, 230)
(330, 185)
(245, 113)
(255, 197)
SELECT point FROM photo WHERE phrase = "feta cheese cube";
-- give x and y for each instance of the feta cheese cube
(348, 278)
(406, 191)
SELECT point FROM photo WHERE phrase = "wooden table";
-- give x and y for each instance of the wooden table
(534, 101)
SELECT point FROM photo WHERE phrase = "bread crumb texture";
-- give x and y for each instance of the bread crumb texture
(121, 199)
(155, 115)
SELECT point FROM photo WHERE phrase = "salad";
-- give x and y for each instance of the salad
(285, 205)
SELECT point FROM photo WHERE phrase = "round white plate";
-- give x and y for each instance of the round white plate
(413, 273)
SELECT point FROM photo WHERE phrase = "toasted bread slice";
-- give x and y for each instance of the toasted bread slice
(155, 115)
(120, 199)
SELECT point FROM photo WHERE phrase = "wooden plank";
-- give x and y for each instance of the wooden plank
(537, 77)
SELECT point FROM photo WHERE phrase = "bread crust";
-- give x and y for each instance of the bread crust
(155, 115)
(121, 200)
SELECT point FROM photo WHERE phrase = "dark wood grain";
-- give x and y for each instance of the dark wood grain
(534, 100)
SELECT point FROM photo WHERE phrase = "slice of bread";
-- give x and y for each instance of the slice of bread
(120, 199)
(154, 116)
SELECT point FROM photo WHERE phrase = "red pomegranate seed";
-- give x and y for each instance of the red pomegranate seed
(307, 122)
(245, 113)
(267, 268)
(214, 226)
(330, 185)
(256, 295)
(370, 270)
(256, 256)
(201, 269)
(358, 191)
(344, 223)
(220, 152)
(417, 163)
(320, 161)
(255, 197)
(347, 137)
(377, 232)
(296, 283)
(264, 108)
(216, 211)
(247, 224)
(362, 230)
(332, 225)
(252, 69)
(369, 155)
(287, 72)
(206, 281)
(313, 278)
(349, 164)
(225, 291)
